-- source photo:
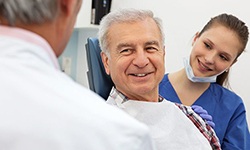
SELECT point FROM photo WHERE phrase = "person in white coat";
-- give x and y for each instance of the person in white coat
(41, 108)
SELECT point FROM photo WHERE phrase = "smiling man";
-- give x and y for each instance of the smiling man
(136, 59)
(133, 51)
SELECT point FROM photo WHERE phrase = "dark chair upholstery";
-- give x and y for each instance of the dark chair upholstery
(99, 81)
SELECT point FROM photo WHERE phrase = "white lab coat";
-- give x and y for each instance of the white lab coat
(43, 109)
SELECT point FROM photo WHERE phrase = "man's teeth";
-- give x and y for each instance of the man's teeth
(140, 75)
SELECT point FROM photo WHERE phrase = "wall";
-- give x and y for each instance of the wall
(82, 66)
(182, 19)
(71, 52)
(75, 50)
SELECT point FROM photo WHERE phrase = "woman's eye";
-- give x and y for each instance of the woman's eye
(223, 57)
(207, 45)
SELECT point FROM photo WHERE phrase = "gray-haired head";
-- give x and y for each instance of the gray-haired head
(28, 11)
(121, 16)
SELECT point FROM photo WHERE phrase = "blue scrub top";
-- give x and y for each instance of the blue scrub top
(227, 110)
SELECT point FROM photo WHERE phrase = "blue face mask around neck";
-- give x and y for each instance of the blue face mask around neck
(193, 78)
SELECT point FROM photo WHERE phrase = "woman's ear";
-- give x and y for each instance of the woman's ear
(196, 36)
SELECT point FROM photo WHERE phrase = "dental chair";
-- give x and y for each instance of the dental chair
(99, 81)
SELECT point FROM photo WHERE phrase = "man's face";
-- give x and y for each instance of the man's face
(136, 62)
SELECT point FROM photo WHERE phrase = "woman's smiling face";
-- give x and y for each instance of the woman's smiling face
(214, 51)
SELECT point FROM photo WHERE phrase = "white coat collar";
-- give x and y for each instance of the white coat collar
(30, 38)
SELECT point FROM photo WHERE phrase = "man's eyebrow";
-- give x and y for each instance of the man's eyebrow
(152, 43)
(121, 45)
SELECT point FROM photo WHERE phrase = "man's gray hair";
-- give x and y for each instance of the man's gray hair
(28, 11)
(121, 16)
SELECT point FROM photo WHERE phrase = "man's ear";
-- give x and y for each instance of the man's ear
(105, 61)
(67, 6)
(164, 50)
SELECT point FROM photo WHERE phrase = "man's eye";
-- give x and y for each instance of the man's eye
(126, 51)
(151, 49)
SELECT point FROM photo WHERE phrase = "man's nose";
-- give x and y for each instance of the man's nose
(141, 59)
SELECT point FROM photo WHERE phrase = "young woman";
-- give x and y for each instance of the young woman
(204, 77)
